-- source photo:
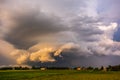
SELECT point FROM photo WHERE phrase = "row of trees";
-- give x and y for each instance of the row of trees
(109, 68)
(113, 68)
(15, 68)
(102, 68)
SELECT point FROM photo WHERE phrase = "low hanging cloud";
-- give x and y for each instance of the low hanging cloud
(54, 31)
(44, 52)
(32, 26)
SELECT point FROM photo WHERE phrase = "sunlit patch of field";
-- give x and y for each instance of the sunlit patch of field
(58, 75)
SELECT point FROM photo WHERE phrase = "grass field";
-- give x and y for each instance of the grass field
(57, 75)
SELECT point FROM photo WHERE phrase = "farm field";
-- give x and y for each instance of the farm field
(58, 75)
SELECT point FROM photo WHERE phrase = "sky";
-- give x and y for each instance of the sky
(59, 32)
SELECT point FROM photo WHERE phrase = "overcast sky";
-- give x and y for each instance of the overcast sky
(60, 32)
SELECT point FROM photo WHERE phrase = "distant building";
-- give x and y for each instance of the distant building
(104, 69)
(78, 68)
(42, 68)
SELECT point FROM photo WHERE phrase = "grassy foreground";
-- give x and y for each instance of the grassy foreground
(57, 75)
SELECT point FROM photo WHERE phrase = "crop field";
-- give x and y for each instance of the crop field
(58, 75)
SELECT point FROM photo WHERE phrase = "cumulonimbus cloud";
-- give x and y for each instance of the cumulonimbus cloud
(44, 52)
(82, 31)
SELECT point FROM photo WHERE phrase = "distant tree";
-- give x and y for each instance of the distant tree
(33, 67)
(113, 68)
(109, 68)
(96, 69)
(25, 68)
(6, 68)
(90, 68)
(116, 68)
(83, 68)
(58, 68)
(101, 68)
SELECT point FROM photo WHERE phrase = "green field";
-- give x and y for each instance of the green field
(57, 75)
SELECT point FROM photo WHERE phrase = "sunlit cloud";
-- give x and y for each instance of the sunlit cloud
(47, 31)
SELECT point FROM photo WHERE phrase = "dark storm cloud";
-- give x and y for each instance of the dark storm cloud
(26, 24)
(32, 24)
(92, 60)
(86, 26)
(73, 59)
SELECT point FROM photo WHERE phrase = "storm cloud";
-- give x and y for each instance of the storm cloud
(31, 27)
(53, 32)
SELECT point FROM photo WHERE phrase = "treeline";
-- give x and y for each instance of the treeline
(15, 68)
(113, 68)
(52, 68)
(102, 68)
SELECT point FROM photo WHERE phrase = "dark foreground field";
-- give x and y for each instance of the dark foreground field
(57, 75)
